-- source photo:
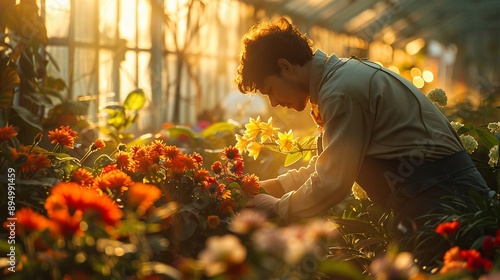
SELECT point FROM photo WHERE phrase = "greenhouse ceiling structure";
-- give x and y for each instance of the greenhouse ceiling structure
(394, 21)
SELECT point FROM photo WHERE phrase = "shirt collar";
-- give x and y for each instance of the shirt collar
(321, 64)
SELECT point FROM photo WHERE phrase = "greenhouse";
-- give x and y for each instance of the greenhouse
(250, 139)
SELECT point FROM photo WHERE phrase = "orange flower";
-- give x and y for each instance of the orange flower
(64, 136)
(41, 162)
(227, 205)
(250, 184)
(124, 161)
(448, 228)
(65, 224)
(143, 196)
(213, 221)
(28, 220)
(115, 179)
(231, 153)
(6, 133)
(70, 197)
(83, 177)
(98, 144)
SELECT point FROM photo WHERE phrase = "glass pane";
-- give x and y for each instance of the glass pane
(85, 21)
(107, 21)
(105, 75)
(128, 80)
(85, 79)
(60, 55)
(57, 17)
(127, 24)
(144, 77)
(144, 23)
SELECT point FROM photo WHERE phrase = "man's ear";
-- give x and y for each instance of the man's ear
(284, 64)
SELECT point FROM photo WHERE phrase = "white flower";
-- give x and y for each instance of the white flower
(456, 125)
(493, 154)
(494, 127)
(358, 192)
(470, 144)
(438, 97)
(221, 252)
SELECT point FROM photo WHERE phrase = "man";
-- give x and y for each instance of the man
(378, 130)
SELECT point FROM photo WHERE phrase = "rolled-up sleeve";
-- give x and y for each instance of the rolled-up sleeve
(346, 136)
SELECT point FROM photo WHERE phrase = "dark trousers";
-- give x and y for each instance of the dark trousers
(414, 189)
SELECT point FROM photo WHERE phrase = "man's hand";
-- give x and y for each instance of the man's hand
(266, 204)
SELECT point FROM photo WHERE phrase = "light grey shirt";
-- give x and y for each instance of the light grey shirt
(366, 112)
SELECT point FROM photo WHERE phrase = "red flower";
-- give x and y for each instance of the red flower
(227, 205)
(251, 184)
(98, 144)
(142, 196)
(231, 153)
(29, 220)
(448, 228)
(6, 133)
(217, 167)
(64, 136)
(83, 177)
(115, 179)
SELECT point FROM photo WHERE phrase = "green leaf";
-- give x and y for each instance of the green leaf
(102, 161)
(487, 138)
(292, 158)
(342, 270)
(9, 79)
(144, 139)
(176, 131)
(27, 117)
(135, 100)
(464, 129)
(217, 128)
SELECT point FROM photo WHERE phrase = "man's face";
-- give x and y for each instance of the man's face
(286, 91)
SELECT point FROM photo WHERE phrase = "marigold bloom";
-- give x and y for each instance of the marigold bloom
(197, 158)
(228, 205)
(65, 224)
(213, 221)
(124, 161)
(200, 175)
(115, 179)
(448, 228)
(238, 168)
(142, 196)
(70, 197)
(98, 144)
(6, 133)
(29, 220)
(250, 184)
(64, 136)
(172, 151)
(231, 153)
(216, 167)
(83, 177)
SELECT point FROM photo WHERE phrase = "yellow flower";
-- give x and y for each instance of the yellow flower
(285, 141)
(253, 149)
(242, 142)
(253, 128)
(268, 130)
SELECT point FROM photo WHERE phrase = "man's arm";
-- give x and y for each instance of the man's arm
(273, 187)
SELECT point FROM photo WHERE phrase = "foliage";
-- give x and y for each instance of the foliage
(120, 117)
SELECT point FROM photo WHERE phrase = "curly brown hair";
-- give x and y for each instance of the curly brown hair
(263, 45)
